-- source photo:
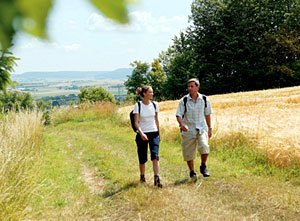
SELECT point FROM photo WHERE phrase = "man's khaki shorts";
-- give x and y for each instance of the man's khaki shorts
(189, 146)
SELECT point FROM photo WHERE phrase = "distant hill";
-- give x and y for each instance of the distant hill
(118, 74)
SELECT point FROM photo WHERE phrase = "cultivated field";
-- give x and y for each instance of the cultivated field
(271, 118)
(57, 88)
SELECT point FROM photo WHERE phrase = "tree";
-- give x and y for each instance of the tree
(15, 101)
(283, 55)
(31, 16)
(237, 45)
(7, 62)
(138, 77)
(95, 94)
(42, 105)
(142, 75)
(178, 63)
(157, 79)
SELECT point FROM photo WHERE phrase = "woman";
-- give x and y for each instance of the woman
(146, 122)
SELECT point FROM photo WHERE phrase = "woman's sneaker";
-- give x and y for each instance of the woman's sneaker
(157, 181)
(142, 178)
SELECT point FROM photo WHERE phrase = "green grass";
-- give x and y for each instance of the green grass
(241, 153)
(90, 171)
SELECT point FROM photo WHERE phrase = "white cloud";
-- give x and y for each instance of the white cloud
(32, 44)
(72, 47)
(37, 43)
(140, 22)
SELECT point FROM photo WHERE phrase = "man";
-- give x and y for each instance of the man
(193, 116)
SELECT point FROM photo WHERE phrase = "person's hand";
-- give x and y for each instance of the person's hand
(184, 127)
(209, 133)
(144, 137)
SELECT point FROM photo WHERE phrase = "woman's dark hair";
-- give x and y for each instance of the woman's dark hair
(141, 90)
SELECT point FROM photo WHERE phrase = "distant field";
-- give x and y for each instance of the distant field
(54, 93)
(43, 89)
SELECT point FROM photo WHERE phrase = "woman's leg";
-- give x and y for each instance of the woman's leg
(155, 166)
(142, 168)
(142, 149)
(154, 148)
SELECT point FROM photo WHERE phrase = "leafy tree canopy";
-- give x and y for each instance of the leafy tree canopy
(7, 62)
(142, 75)
(31, 16)
(236, 45)
(95, 94)
(15, 101)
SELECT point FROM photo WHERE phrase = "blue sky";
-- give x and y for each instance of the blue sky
(81, 39)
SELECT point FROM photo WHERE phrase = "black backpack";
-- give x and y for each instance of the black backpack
(131, 115)
(185, 100)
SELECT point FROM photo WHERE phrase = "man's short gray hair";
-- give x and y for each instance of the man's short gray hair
(194, 80)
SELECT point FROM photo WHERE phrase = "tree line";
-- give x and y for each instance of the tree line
(231, 46)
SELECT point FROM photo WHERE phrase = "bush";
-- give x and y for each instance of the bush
(46, 117)
(42, 105)
(14, 100)
(92, 95)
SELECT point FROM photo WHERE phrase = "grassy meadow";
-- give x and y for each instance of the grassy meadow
(84, 166)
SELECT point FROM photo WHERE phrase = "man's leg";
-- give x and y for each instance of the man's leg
(190, 164)
(189, 153)
(204, 158)
(203, 148)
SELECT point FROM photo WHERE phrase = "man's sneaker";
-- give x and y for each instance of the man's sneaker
(204, 171)
(142, 178)
(157, 181)
(193, 175)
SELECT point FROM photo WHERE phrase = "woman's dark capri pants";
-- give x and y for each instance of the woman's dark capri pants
(142, 146)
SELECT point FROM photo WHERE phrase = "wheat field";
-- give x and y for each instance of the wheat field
(20, 138)
(270, 118)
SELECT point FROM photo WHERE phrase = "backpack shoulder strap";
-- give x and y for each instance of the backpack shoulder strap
(184, 102)
(205, 102)
(154, 105)
(139, 107)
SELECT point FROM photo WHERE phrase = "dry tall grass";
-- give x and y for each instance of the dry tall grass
(104, 108)
(269, 117)
(20, 139)
(83, 112)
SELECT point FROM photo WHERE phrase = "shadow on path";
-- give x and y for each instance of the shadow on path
(128, 186)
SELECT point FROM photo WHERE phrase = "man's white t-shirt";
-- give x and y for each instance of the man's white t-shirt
(147, 116)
